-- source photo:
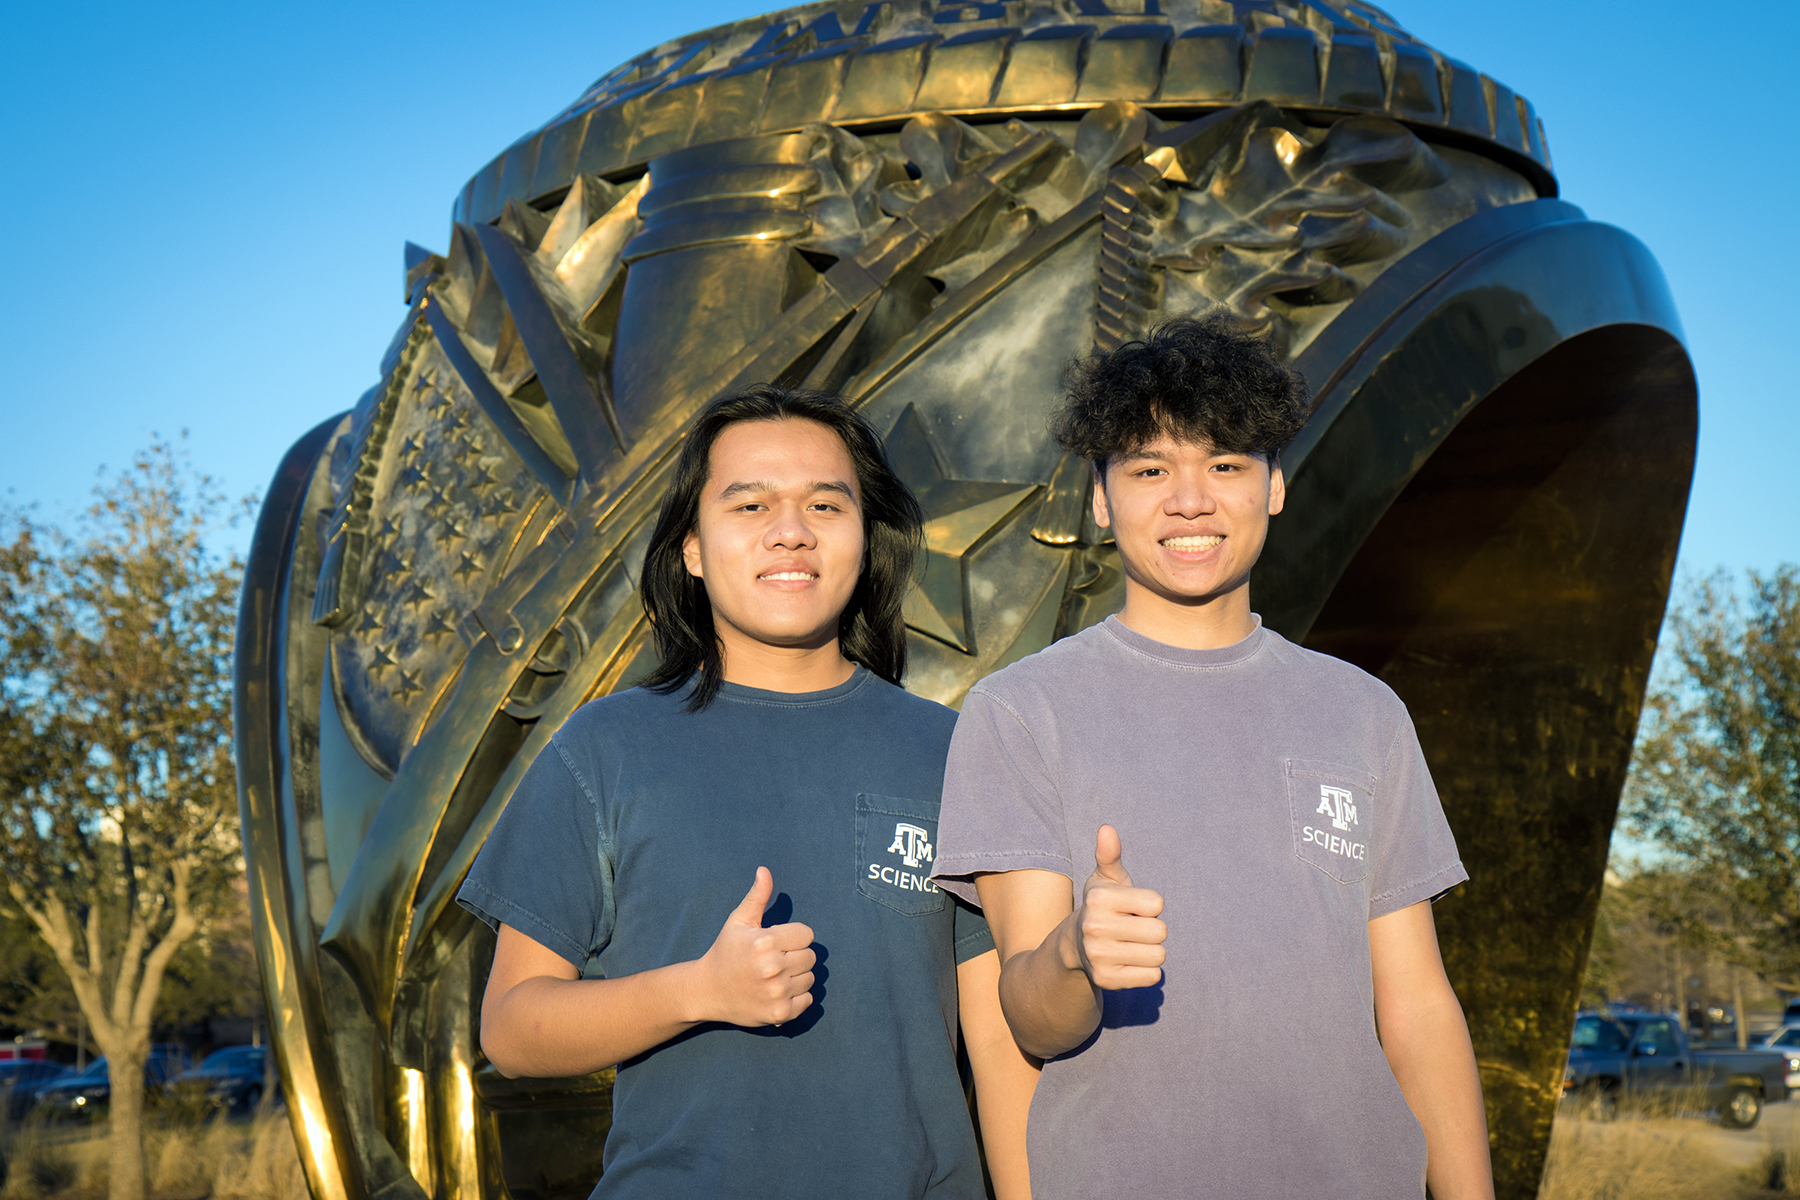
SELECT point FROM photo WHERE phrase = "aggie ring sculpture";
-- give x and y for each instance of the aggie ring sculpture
(931, 207)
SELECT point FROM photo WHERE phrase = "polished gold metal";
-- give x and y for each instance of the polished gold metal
(931, 207)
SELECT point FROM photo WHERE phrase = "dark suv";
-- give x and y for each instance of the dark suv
(87, 1092)
(231, 1079)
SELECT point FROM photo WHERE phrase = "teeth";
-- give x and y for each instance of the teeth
(788, 576)
(1193, 543)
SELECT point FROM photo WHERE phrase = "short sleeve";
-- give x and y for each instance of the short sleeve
(543, 870)
(1415, 853)
(972, 936)
(1001, 809)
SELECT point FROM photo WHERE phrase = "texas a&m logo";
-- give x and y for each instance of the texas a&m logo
(911, 844)
(1335, 803)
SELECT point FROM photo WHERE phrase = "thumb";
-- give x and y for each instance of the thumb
(1109, 856)
(750, 909)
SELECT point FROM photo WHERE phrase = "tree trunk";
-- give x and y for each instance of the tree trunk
(1740, 1018)
(125, 1137)
(1680, 986)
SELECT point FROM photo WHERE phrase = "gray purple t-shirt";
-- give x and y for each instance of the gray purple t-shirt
(636, 833)
(1278, 800)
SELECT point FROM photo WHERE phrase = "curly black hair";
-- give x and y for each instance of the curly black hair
(1198, 379)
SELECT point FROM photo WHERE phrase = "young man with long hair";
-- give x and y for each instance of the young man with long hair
(1256, 1007)
(797, 1039)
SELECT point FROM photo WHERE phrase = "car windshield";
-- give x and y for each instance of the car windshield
(233, 1056)
(1600, 1035)
(94, 1070)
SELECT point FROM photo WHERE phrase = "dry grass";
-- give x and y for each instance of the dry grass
(1665, 1152)
(186, 1160)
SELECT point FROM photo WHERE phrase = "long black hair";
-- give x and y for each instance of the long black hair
(871, 630)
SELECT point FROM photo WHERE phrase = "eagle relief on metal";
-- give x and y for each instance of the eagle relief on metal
(930, 208)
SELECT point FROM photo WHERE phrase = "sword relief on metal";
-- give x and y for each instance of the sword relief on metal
(931, 207)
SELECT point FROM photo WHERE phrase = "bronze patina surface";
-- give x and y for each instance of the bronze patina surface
(931, 207)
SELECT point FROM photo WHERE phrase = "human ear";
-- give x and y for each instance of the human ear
(1277, 488)
(690, 553)
(1102, 514)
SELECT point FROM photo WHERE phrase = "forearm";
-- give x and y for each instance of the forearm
(1005, 1076)
(1427, 1046)
(553, 1028)
(1049, 1001)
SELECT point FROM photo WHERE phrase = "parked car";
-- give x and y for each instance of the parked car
(230, 1079)
(1616, 1055)
(1785, 1040)
(87, 1092)
(21, 1079)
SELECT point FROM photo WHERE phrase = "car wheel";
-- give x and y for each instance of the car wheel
(1742, 1108)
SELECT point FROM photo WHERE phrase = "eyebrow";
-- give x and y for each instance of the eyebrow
(763, 485)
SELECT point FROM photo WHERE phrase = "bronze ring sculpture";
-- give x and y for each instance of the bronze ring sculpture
(930, 207)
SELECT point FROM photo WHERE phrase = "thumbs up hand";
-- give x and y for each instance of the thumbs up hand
(1118, 936)
(754, 976)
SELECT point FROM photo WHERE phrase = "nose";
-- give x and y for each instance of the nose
(1189, 496)
(789, 530)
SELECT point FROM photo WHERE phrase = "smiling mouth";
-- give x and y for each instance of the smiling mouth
(1199, 542)
(789, 577)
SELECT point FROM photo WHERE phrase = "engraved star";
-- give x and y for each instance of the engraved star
(396, 562)
(438, 502)
(381, 660)
(454, 526)
(440, 626)
(458, 420)
(960, 518)
(483, 478)
(416, 595)
(468, 450)
(422, 382)
(410, 448)
(500, 502)
(390, 529)
(415, 476)
(467, 567)
(370, 623)
(409, 683)
(438, 403)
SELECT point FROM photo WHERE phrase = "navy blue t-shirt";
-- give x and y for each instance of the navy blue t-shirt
(640, 828)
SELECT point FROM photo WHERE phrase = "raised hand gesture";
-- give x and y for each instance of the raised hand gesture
(1118, 934)
(754, 976)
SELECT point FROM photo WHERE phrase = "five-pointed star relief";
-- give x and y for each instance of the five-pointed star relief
(960, 517)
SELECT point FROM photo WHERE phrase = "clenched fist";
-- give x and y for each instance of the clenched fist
(1118, 936)
(754, 976)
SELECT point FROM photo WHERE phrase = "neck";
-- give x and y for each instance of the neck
(782, 668)
(1208, 624)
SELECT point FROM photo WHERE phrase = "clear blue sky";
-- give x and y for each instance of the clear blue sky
(206, 204)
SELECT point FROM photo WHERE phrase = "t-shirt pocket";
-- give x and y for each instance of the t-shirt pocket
(1333, 814)
(895, 841)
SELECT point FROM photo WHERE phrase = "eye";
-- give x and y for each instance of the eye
(752, 506)
(1149, 472)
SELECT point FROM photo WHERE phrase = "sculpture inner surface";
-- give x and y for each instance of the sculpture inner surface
(931, 207)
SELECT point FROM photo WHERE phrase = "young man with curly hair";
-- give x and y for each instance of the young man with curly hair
(1257, 1006)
